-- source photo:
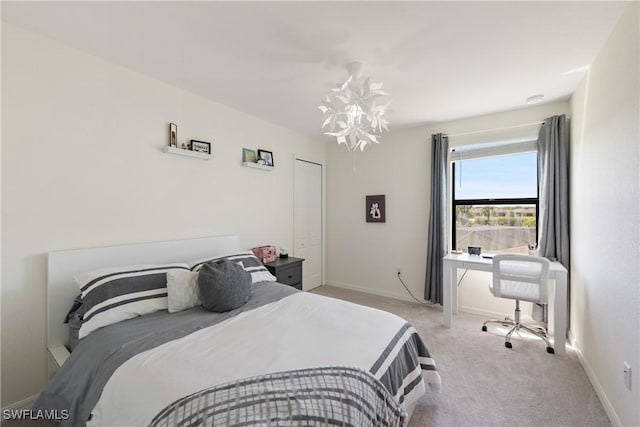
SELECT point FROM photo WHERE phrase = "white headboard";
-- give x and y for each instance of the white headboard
(63, 265)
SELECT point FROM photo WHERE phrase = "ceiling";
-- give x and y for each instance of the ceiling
(275, 60)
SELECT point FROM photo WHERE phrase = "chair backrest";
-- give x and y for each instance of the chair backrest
(523, 277)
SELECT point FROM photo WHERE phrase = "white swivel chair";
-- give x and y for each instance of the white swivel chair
(522, 278)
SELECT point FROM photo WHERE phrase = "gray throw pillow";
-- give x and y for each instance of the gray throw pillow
(223, 285)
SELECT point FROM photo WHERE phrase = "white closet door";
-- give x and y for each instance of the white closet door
(307, 218)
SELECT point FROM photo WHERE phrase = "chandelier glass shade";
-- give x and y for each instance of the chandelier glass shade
(353, 111)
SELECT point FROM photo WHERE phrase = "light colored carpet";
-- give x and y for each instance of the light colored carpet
(486, 384)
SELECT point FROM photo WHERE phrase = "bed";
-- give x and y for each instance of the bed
(284, 357)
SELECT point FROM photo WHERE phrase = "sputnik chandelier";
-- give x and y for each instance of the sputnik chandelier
(352, 111)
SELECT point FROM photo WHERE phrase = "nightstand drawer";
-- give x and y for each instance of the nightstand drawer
(290, 276)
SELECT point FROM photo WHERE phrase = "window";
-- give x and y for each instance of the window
(495, 197)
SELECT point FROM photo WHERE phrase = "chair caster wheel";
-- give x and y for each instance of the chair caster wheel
(550, 350)
(508, 345)
(484, 328)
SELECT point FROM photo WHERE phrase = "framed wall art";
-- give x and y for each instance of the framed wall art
(248, 155)
(201, 146)
(267, 156)
(375, 208)
(173, 135)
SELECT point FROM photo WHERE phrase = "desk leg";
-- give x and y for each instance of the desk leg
(454, 289)
(447, 294)
(560, 314)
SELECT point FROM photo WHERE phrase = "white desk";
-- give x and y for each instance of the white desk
(557, 298)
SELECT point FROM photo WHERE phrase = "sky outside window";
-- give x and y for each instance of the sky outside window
(511, 176)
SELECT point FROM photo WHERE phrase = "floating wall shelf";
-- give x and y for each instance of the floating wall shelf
(188, 153)
(257, 166)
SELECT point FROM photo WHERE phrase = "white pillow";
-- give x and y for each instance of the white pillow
(111, 295)
(182, 286)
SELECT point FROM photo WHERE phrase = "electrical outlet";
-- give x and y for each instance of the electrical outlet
(626, 369)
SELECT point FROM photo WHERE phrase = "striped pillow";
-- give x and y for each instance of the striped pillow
(247, 260)
(112, 295)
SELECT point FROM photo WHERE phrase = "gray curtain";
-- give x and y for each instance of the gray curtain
(553, 187)
(437, 244)
(553, 184)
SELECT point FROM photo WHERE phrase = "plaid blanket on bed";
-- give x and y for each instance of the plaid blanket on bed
(327, 396)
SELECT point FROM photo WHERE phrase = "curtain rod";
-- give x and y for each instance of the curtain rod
(495, 129)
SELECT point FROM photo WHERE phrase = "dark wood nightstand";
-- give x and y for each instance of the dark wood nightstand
(288, 271)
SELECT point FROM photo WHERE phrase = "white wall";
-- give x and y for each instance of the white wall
(605, 208)
(364, 255)
(83, 166)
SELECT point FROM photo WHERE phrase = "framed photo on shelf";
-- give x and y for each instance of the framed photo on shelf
(375, 208)
(201, 146)
(173, 135)
(267, 156)
(248, 155)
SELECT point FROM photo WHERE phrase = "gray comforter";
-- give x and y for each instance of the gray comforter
(78, 385)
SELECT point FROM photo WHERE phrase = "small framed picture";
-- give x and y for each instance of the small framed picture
(267, 156)
(201, 146)
(375, 209)
(173, 135)
(248, 155)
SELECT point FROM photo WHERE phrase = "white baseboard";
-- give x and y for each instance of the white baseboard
(404, 297)
(394, 295)
(606, 403)
(23, 404)
(493, 314)
(484, 313)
